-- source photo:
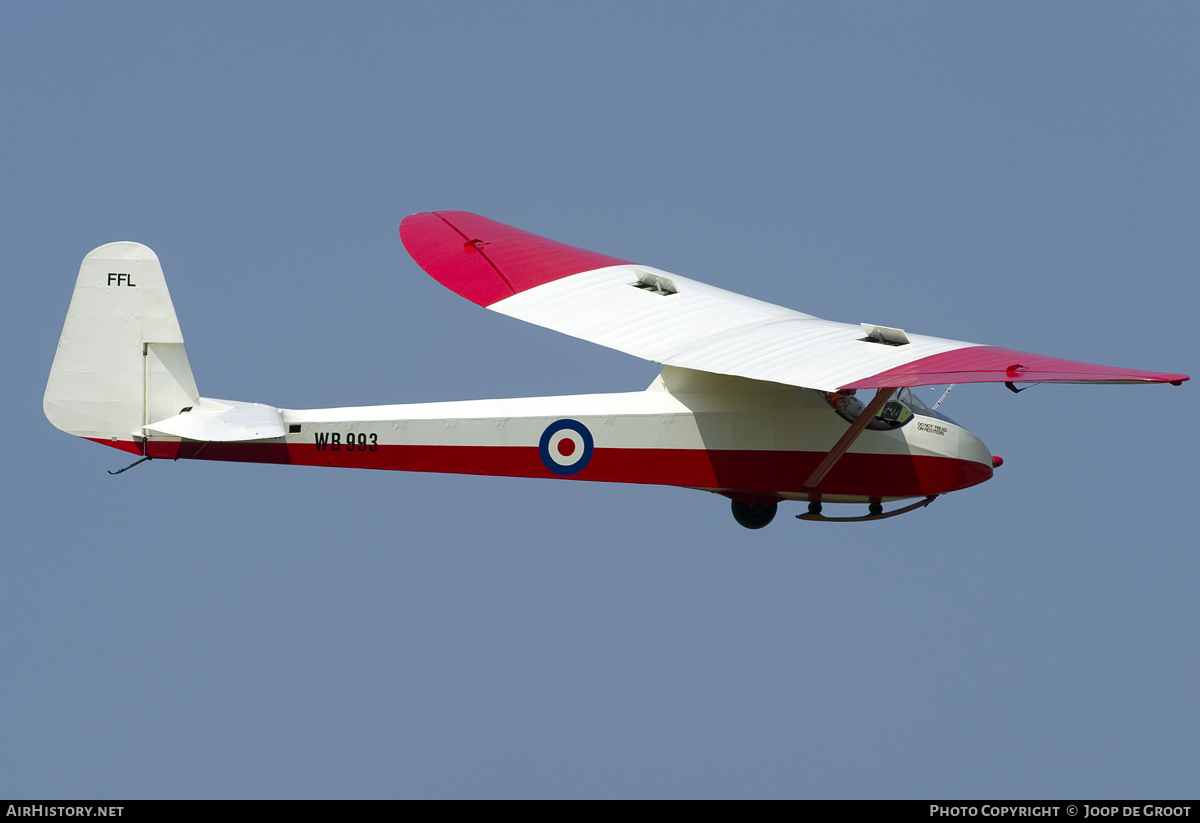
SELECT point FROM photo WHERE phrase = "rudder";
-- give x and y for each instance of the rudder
(120, 363)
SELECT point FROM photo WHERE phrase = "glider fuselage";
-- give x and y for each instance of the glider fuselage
(756, 402)
(749, 440)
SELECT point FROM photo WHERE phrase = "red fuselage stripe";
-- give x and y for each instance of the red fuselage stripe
(882, 475)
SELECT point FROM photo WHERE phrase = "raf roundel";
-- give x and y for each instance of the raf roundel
(566, 447)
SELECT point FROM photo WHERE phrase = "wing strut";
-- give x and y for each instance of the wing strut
(847, 440)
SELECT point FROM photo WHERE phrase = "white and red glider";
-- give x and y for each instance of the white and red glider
(756, 402)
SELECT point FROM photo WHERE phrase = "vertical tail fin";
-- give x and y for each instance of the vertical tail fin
(120, 363)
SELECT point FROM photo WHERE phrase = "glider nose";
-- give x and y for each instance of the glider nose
(970, 447)
(975, 460)
(956, 458)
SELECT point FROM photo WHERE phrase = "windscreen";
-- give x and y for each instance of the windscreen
(900, 408)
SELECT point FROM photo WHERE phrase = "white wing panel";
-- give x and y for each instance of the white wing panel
(706, 328)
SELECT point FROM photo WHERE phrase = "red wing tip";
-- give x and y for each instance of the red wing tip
(486, 261)
(991, 364)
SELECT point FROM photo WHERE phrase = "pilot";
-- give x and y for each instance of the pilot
(845, 403)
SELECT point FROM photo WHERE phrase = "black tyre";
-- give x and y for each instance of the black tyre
(753, 517)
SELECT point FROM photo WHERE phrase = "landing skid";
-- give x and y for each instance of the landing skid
(881, 515)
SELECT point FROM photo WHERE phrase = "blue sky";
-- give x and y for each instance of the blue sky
(1022, 175)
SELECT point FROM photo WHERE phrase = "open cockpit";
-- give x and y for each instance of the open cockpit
(899, 410)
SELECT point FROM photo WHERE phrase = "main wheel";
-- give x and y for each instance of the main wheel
(752, 517)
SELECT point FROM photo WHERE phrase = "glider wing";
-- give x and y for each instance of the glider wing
(676, 321)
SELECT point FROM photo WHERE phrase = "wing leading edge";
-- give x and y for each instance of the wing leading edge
(676, 321)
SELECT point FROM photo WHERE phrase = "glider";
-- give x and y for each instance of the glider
(756, 402)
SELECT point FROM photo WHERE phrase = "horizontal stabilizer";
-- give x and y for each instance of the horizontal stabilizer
(223, 421)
